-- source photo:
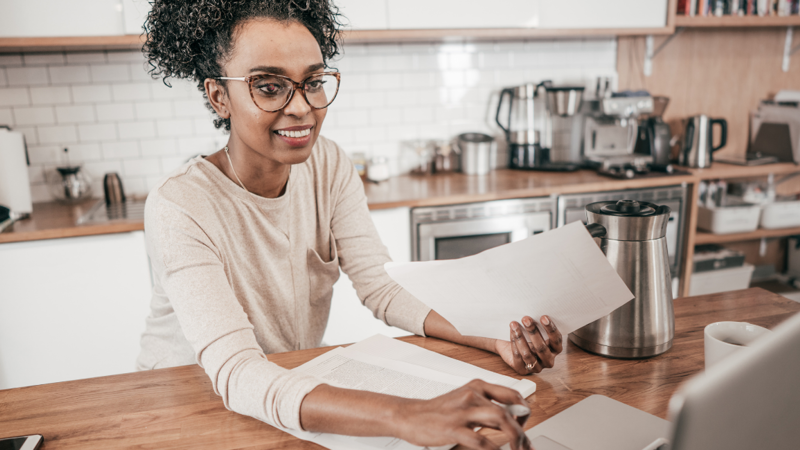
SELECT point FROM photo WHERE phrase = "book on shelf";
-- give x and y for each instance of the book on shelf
(721, 8)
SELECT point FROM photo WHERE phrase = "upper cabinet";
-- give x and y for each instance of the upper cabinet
(364, 14)
(442, 14)
(43, 18)
(602, 14)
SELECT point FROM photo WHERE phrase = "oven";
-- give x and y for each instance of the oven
(455, 231)
(572, 207)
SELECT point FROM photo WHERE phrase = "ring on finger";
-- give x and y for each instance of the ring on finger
(530, 366)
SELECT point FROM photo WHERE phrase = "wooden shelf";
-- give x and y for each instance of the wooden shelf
(127, 42)
(703, 237)
(736, 21)
(720, 170)
(70, 43)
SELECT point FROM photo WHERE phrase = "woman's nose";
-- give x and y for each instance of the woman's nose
(298, 106)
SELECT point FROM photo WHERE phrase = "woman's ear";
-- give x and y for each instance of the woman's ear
(218, 97)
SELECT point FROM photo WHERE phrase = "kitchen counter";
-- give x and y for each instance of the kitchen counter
(54, 220)
(177, 408)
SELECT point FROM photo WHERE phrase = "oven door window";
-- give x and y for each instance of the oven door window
(461, 246)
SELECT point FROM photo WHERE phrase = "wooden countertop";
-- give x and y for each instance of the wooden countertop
(177, 408)
(54, 220)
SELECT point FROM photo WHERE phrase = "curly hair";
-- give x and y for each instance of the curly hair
(192, 39)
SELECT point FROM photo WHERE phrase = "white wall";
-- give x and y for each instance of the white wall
(114, 117)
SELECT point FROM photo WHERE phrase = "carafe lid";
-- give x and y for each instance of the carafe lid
(629, 220)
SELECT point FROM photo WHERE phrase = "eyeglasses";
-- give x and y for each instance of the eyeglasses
(271, 93)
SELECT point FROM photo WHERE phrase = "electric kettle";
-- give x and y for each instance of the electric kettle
(632, 236)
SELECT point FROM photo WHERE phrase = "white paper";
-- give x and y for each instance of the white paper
(561, 273)
(410, 372)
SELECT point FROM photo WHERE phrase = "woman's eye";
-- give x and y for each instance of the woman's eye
(269, 88)
(314, 85)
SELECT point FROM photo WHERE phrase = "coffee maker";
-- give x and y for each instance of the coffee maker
(654, 134)
(528, 124)
(611, 133)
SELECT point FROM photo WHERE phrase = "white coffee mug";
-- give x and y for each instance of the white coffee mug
(725, 338)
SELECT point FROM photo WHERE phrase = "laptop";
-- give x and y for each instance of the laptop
(742, 403)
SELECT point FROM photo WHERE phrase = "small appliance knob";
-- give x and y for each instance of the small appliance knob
(628, 206)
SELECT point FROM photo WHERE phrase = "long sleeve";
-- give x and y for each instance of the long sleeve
(190, 269)
(362, 254)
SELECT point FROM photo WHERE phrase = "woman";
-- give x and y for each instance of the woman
(247, 242)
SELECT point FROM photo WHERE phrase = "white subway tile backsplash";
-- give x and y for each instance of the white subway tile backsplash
(85, 152)
(130, 92)
(121, 149)
(175, 127)
(110, 72)
(190, 108)
(40, 115)
(105, 106)
(50, 95)
(75, 114)
(154, 110)
(14, 97)
(171, 163)
(6, 118)
(125, 56)
(42, 59)
(141, 167)
(86, 57)
(94, 93)
(35, 174)
(31, 137)
(10, 60)
(60, 134)
(159, 147)
(26, 76)
(136, 130)
(69, 75)
(97, 132)
(114, 112)
(44, 154)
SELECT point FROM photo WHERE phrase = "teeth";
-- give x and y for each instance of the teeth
(295, 134)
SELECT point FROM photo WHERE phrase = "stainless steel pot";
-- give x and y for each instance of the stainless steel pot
(632, 236)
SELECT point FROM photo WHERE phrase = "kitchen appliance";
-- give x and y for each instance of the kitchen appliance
(563, 135)
(698, 141)
(528, 125)
(571, 207)
(446, 157)
(112, 187)
(455, 231)
(775, 128)
(612, 127)
(633, 238)
(476, 150)
(15, 188)
(654, 134)
(68, 183)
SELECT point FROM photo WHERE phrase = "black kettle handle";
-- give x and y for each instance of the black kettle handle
(723, 137)
(510, 92)
(596, 230)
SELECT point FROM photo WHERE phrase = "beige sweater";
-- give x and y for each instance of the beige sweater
(239, 276)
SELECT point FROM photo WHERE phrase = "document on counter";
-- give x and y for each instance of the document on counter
(385, 365)
(560, 273)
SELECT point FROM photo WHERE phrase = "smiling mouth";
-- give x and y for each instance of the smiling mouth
(294, 134)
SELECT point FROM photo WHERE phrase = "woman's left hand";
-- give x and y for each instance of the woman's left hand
(530, 357)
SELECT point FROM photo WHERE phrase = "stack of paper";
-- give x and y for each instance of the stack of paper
(561, 273)
(388, 366)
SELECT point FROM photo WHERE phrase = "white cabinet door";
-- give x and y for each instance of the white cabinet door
(134, 15)
(72, 308)
(36, 18)
(364, 14)
(602, 14)
(437, 14)
(350, 321)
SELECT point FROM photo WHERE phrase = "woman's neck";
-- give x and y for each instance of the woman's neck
(258, 175)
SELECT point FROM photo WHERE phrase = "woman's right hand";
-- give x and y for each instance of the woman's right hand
(452, 417)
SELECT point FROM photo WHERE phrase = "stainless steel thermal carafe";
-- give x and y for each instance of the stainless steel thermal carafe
(697, 141)
(632, 236)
